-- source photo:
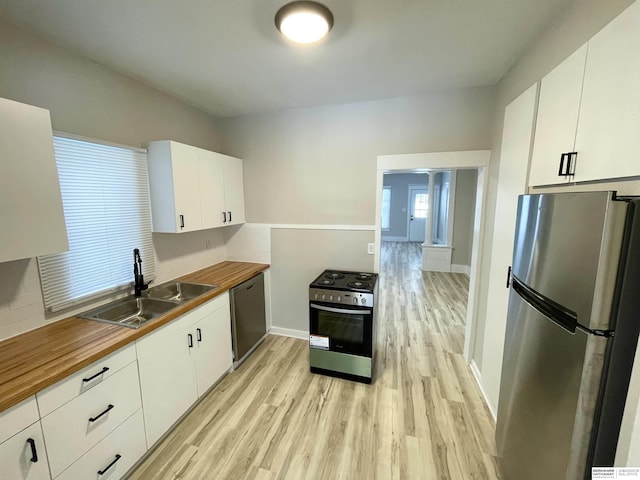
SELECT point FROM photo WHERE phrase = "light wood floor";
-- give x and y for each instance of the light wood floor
(422, 418)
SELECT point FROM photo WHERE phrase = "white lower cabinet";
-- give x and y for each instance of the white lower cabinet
(23, 456)
(114, 455)
(213, 356)
(167, 379)
(181, 361)
(78, 425)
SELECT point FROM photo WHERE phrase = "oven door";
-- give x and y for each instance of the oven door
(346, 329)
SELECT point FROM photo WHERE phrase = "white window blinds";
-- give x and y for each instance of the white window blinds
(105, 195)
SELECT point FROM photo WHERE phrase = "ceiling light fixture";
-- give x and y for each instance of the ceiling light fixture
(304, 21)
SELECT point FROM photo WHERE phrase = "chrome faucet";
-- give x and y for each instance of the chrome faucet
(138, 279)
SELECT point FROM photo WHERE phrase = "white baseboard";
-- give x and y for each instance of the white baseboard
(289, 332)
(386, 238)
(477, 376)
(456, 268)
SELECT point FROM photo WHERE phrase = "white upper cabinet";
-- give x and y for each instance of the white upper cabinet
(589, 109)
(190, 190)
(607, 140)
(558, 109)
(233, 189)
(31, 211)
(211, 173)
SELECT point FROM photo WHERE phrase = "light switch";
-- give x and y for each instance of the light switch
(370, 248)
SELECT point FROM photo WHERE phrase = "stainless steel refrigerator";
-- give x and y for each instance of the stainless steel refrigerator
(572, 330)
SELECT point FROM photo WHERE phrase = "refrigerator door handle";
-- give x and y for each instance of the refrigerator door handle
(555, 312)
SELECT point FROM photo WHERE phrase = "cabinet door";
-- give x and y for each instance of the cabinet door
(211, 178)
(184, 162)
(213, 356)
(514, 160)
(557, 120)
(234, 190)
(29, 186)
(17, 460)
(167, 382)
(607, 141)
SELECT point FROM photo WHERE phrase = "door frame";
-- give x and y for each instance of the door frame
(424, 162)
(411, 187)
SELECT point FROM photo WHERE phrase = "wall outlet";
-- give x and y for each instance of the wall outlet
(370, 248)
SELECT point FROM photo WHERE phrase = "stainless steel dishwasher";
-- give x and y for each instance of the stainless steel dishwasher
(248, 319)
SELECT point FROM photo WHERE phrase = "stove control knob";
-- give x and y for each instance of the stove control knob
(363, 300)
(355, 300)
(331, 298)
(316, 296)
(324, 297)
(339, 298)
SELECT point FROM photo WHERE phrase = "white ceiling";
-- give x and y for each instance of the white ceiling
(226, 57)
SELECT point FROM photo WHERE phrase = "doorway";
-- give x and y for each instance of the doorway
(426, 162)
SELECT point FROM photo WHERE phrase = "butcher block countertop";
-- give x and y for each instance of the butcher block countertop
(37, 359)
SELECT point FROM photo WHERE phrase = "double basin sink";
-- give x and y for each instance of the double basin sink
(134, 312)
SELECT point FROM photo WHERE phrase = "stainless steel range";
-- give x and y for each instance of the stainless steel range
(342, 313)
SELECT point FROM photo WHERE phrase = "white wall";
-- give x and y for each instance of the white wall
(88, 99)
(317, 166)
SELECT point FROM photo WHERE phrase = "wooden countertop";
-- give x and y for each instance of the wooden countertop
(34, 360)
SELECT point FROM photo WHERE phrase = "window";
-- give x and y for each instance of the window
(386, 207)
(105, 196)
(420, 205)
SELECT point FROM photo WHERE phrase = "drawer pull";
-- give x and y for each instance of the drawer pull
(102, 472)
(104, 370)
(190, 338)
(199, 334)
(93, 419)
(34, 453)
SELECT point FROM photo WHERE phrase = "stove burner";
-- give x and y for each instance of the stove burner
(363, 285)
(334, 275)
(327, 282)
(364, 276)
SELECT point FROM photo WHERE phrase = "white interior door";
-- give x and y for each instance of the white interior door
(417, 213)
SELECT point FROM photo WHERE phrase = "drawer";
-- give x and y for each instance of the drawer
(60, 393)
(17, 460)
(18, 418)
(114, 455)
(78, 425)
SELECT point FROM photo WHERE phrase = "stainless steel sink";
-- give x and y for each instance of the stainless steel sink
(130, 312)
(179, 292)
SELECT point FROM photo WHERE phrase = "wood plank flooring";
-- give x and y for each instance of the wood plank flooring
(422, 418)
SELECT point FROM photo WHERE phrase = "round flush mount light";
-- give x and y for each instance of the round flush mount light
(304, 22)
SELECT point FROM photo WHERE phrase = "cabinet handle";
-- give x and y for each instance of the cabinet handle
(93, 419)
(103, 471)
(104, 370)
(190, 337)
(229, 215)
(181, 221)
(199, 334)
(508, 276)
(34, 453)
(570, 167)
(224, 217)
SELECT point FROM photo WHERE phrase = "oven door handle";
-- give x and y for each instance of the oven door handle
(339, 310)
